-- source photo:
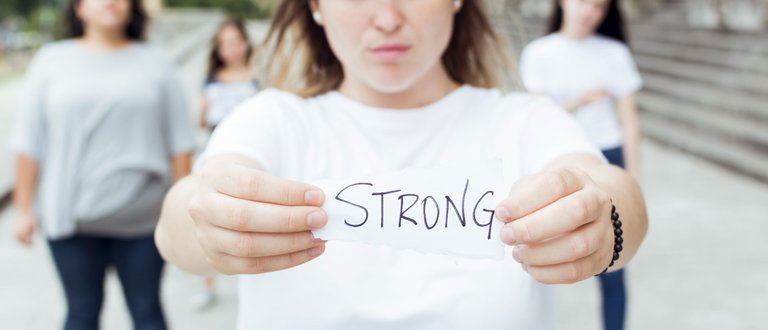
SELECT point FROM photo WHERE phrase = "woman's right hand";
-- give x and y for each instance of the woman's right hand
(248, 221)
(26, 226)
(588, 98)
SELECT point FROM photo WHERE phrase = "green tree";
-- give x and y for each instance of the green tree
(19, 8)
(241, 8)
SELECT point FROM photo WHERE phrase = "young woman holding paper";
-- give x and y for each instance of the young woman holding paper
(585, 65)
(372, 86)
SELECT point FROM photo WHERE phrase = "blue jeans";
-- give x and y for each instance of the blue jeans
(82, 261)
(612, 287)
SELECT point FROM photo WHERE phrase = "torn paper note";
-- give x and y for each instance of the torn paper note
(448, 210)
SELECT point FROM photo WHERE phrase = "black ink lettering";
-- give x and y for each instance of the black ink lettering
(402, 212)
(353, 204)
(462, 216)
(474, 214)
(382, 202)
(424, 211)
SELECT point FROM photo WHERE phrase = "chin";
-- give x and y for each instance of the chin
(390, 87)
(391, 83)
(116, 23)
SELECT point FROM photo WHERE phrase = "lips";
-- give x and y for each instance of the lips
(390, 52)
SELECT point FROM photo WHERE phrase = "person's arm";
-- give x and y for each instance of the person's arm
(558, 220)
(181, 165)
(233, 218)
(203, 112)
(27, 141)
(626, 194)
(630, 123)
(23, 196)
(175, 235)
(585, 100)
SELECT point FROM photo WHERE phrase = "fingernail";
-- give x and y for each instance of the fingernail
(316, 219)
(516, 254)
(317, 240)
(502, 213)
(316, 251)
(312, 197)
(508, 235)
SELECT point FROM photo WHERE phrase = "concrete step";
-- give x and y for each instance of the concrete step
(754, 43)
(747, 62)
(717, 76)
(743, 131)
(675, 16)
(707, 146)
(735, 102)
(741, 42)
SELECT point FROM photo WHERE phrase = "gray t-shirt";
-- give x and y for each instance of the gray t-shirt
(103, 126)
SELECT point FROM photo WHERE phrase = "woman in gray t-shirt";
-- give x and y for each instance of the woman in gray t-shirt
(102, 132)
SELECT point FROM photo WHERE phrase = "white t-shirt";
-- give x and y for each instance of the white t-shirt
(224, 97)
(565, 69)
(359, 286)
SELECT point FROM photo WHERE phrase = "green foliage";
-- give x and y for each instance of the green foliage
(240, 8)
(18, 8)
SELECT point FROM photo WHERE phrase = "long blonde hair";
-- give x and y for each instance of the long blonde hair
(300, 59)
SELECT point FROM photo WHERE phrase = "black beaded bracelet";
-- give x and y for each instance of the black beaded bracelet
(617, 240)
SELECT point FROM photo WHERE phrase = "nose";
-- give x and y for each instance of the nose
(388, 18)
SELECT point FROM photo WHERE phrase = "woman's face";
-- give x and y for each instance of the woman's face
(232, 46)
(584, 16)
(104, 14)
(388, 45)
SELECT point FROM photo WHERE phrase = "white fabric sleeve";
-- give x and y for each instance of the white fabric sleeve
(530, 71)
(254, 130)
(627, 77)
(28, 134)
(549, 133)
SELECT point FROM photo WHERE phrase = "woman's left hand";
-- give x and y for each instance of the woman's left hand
(25, 228)
(559, 224)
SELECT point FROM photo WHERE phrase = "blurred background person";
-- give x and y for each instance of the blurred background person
(229, 81)
(102, 132)
(585, 64)
(230, 78)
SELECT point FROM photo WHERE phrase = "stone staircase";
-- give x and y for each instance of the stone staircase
(705, 93)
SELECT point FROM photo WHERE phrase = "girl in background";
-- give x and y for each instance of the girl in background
(102, 132)
(584, 64)
(230, 77)
(229, 81)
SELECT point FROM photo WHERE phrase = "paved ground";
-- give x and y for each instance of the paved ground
(705, 259)
(703, 265)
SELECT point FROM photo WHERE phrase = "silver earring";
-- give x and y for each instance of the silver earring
(457, 4)
(317, 17)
